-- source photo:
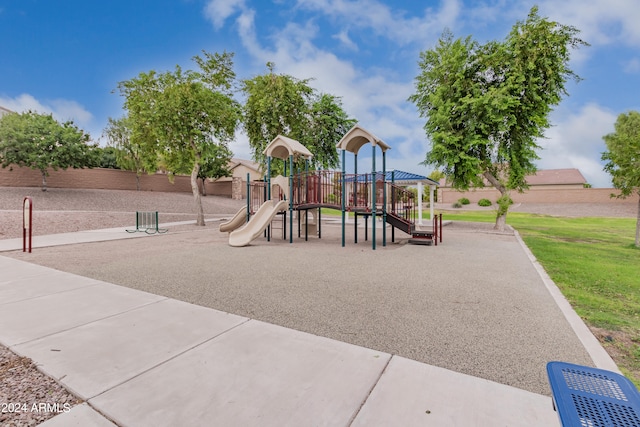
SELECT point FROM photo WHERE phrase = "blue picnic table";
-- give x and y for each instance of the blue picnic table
(591, 397)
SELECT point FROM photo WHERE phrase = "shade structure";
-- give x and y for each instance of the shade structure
(282, 147)
(357, 136)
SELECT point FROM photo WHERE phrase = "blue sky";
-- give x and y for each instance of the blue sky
(67, 57)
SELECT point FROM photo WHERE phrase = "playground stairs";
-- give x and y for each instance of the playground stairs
(418, 237)
(422, 237)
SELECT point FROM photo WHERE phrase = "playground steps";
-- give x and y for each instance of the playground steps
(400, 223)
(421, 237)
(418, 237)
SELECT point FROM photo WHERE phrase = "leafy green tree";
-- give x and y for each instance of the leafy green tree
(184, 116)
(40, 142)
(486, 105)
(216, 166)
(328, 124)
(107, 157)
(279, 104)
(623, 159)
(130, 155)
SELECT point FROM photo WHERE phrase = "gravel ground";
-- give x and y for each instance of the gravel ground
(66, 210)
(454, 306)
(27, 396)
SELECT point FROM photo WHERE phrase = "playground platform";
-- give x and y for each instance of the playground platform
(112, 345)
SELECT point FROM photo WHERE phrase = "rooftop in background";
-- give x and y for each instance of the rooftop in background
(235, 162)
(548, 177)
(557, 177)
(4, 111)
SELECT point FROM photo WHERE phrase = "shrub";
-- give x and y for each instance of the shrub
(456, 205)
(464, 201)
(484, 202)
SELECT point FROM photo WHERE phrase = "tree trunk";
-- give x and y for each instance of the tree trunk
(638, 223)
(44, 180)
(137, 182)
(196, 193)
(503, 202)
(501, 220)
(204, 188)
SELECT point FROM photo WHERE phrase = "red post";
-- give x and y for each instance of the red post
(27, 222)
(435, 230)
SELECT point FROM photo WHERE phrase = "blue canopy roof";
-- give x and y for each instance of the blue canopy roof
(400, 177)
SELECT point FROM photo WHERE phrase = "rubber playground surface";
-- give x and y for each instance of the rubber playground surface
(474, 304)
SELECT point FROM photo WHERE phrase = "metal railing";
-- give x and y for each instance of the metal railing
(321, 188)
(256, 196)
(402, 203)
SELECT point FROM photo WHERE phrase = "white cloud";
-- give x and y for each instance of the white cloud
(576, 142)
(240, 146)
(381, 20)
(374, 95)
(601, 22)
(343, 37)
(61, 109)
(218, 11)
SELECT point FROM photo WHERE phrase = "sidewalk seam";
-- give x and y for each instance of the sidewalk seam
(169, 359)
(12, 347)
(375, 384)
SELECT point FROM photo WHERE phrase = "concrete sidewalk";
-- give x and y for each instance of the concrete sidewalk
(139, 359)
(87, 236)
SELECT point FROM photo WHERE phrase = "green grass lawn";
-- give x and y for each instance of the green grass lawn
(596, 266)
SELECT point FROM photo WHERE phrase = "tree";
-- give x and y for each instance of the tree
(279, 104)
(40, 142)
(623, 159)
(328, 124)
(107, 157)
(216, 166)
(486, 105)
(184, 116)
(129, 154)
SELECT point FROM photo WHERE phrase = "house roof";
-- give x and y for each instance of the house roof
(4, 110)
(556, 177)
(235, 162)
(569, 176)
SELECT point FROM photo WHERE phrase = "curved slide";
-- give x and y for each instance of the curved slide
(260, 221)
(239, 219)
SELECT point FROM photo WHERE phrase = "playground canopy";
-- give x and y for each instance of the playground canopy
(282, 147)
(357, 136)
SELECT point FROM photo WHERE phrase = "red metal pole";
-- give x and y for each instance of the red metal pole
(435, 230)
(27, 222)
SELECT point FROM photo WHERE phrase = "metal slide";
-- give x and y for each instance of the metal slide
(258, 223)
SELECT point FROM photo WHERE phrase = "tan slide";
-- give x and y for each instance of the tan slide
(238, 220)
(258, 223)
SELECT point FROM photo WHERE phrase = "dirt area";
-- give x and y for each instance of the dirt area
(67, 210)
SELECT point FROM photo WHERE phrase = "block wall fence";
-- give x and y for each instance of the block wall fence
(107, 179)
(114, 179)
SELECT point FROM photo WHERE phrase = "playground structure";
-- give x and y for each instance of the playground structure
(375, 195)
